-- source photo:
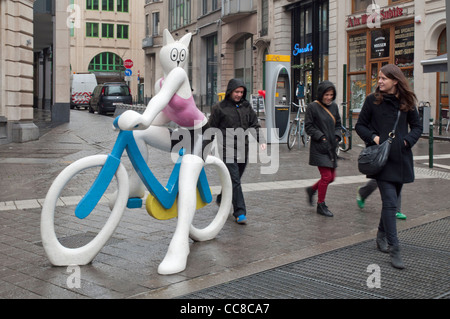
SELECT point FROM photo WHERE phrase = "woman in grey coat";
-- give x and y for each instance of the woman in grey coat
(323, 124)
(376, 121)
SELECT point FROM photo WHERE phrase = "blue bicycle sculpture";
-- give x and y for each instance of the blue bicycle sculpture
(161, 202)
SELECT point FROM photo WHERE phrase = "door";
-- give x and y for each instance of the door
(375, 68)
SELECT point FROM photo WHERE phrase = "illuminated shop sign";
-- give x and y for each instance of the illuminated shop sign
(385, 14)
(298, 50)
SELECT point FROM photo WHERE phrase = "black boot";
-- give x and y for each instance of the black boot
(396, 259)
(382, 244)
(322, 209)
(310, 193)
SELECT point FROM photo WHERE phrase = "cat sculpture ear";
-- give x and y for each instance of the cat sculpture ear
(167, 37)
(186, 39)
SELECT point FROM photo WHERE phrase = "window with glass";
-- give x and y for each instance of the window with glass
(92, 30)
(122, 31)
(122, 6)
(209, 6)
(264, 17)
(107, 5)
(92, 5)
(155, 23)
(212, 50)
(404, 45)
(107, 30)
(243, 57)
(179, 13)
(361, 5)
(106, 62)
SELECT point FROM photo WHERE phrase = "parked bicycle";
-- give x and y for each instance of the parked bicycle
(297, 129)
(344, 144)
(100, 171)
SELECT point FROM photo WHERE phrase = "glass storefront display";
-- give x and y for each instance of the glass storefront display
(370, 49)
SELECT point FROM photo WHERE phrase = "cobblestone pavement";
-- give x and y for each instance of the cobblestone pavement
(282, 229)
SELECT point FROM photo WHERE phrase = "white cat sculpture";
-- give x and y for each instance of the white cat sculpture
(172, 102)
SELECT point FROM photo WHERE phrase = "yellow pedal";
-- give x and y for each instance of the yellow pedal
(156, 210)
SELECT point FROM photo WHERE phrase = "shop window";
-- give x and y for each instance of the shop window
(404, 45)
(358, 86)
(380, 43)
(357, 52)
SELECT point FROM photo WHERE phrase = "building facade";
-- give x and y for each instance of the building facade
(103, 35)
(346, 42)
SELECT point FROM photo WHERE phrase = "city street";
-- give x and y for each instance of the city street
(285, 251)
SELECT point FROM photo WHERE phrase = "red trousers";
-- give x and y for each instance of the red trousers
(327, 176)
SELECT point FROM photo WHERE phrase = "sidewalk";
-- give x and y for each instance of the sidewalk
(286, 250)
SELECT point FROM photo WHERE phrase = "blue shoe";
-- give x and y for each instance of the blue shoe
(242, 220)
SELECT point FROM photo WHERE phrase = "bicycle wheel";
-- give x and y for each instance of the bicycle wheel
(211, 230)
(59, 226)
(292, 136)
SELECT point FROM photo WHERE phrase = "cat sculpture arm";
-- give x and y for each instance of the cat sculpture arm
(131, 120)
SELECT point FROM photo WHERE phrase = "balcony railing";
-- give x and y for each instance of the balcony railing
(236, 9)
(147, 42)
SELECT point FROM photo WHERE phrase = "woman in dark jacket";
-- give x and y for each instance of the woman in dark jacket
(323, 124)
(376, 121)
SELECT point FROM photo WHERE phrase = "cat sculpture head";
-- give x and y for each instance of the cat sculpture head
(174, 53)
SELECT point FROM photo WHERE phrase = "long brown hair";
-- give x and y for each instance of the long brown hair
(405, 94)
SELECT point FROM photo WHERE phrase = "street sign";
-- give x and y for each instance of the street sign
(128, 64)
(128, 72)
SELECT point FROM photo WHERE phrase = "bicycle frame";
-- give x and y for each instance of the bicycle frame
(165, 195)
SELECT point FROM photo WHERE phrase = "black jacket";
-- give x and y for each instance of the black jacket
(378, 120)
(319, 124)
(226, 115)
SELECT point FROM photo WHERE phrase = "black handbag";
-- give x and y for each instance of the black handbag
(372, 159)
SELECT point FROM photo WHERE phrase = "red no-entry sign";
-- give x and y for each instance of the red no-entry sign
(128, 64)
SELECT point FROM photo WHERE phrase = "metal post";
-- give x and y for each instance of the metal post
(431, 142)
(350, 129)
(344, 98)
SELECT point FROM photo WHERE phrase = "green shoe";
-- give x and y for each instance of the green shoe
(400, 215)
(359, 200)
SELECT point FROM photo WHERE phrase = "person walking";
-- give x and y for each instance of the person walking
(323, 124)
(230, 115)
(376, 120)
(365, 191)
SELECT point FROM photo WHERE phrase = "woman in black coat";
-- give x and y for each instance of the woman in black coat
(376, 121)
(323, 124)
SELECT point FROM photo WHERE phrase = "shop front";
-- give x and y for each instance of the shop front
(369, 49)
(310, 46)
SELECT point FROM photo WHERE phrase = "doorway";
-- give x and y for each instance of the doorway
(375, 68)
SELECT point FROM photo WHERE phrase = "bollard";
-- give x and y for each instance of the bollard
(431, 141)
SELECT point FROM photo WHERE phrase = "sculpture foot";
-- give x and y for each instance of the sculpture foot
(174, 261)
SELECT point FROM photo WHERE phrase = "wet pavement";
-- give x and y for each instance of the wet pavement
(284, 236)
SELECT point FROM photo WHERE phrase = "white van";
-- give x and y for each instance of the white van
(81, 88)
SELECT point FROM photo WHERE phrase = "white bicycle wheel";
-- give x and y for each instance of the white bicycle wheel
(212, 229)
(74, 177)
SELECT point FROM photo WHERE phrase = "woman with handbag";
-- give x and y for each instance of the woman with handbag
(323, 124)
(378, 116)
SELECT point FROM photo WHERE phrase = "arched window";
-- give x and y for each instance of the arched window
(106, 62)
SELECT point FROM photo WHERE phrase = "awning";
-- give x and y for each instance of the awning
(437, 64)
